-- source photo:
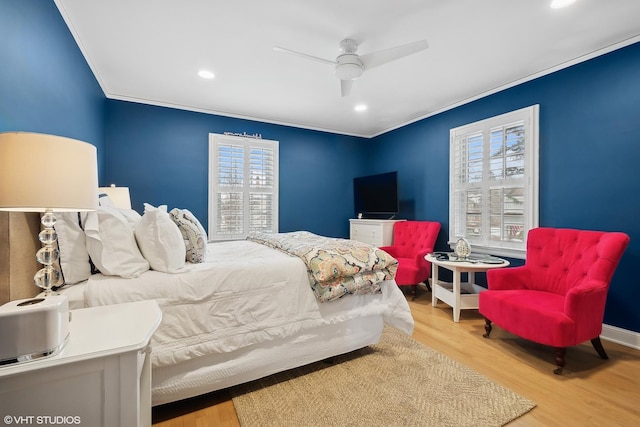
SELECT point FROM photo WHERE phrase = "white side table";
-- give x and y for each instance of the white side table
(459, 295)
(101, 378)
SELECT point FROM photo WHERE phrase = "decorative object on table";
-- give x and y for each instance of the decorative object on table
(442, 256)
(487, 259)
(47, 173)
(563, 296)
(462, 248)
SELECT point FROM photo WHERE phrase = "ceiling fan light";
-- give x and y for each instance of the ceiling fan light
(558, 4)
(206, 74)
(348, 71)
(348, 67)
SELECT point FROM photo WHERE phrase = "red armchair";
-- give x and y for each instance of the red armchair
(412, 240)
(558, 297)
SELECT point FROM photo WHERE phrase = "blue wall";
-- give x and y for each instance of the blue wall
(589, 158)
(589, 144)
(46, 85)
(162, 155)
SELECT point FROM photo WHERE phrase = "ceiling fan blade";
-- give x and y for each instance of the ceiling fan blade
(345, 87)
(375, 59)
(303, 55)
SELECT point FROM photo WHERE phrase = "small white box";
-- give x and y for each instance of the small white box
(32, 328)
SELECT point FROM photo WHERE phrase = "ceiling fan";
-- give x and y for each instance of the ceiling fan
(349, 65)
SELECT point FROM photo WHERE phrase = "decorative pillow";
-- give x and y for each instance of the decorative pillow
(111, 244)
(74, 257)
(193, 233)
(159, 240)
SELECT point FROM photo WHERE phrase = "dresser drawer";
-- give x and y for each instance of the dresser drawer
(366, 233)
(374, 232)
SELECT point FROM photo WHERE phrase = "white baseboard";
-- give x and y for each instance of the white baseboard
(621, 336)
(614, 334)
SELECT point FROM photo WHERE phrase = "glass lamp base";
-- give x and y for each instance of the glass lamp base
(49, 276)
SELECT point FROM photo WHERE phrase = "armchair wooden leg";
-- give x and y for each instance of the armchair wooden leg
(487, 328)
(561, 352)
(597, 344)
(415, 292)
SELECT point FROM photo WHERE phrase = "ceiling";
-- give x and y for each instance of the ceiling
(150, 51)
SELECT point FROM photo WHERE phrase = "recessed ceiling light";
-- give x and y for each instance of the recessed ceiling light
(360, 107)
(558, 4)
(205, 74)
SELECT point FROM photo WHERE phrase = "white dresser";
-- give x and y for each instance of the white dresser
(376, 232)
(102, 377)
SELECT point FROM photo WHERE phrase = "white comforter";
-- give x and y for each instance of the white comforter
(245, 294)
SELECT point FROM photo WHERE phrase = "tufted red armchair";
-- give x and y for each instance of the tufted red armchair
(412, 240)
(558, 297)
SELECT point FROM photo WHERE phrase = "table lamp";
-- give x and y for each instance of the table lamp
(48, 174)
(119, 195)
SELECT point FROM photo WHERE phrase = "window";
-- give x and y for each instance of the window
(243, 186)
(493, 199)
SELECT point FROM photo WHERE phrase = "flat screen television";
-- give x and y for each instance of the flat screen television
(376, 196)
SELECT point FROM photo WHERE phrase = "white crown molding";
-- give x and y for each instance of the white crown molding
(514, 83)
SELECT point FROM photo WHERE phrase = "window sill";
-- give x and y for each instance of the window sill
(496, 251)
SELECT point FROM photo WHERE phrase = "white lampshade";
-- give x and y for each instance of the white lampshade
(45, 172)
(118, 195)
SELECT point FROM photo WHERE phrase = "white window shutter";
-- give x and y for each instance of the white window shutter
(261, 173)
(494, 182)
(243, 186)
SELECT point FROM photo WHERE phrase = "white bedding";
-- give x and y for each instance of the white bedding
(245, 300)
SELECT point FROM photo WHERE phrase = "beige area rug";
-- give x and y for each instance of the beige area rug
(398, 382)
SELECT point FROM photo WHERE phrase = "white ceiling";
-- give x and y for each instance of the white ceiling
(150, 51)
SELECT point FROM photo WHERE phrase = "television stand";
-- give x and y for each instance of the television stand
(376, 232)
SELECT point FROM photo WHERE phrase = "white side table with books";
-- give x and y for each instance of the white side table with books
(460, 295)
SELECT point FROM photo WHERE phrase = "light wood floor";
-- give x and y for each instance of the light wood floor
(592, 391)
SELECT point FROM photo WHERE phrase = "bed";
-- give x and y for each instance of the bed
(246, 311)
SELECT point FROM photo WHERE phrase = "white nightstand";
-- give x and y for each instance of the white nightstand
(101, 378)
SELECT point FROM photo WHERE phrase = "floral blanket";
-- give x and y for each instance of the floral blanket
(336, 267)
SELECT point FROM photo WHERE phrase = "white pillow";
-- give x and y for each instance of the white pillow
(193, 233)
(74, 257)
(132, 216)
(160, 240)
(112, 245)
